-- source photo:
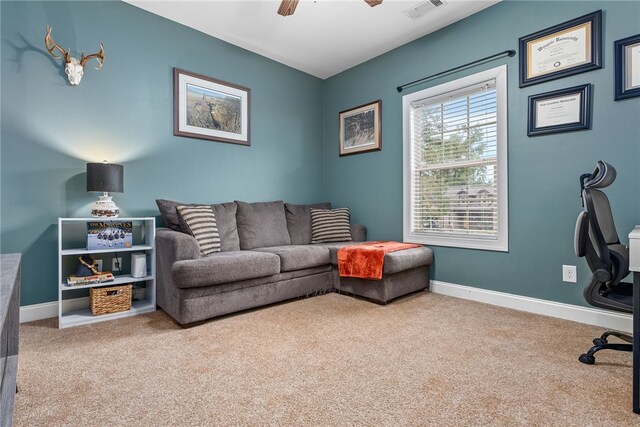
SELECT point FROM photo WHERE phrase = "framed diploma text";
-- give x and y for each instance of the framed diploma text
(569, 48)
(627, 53)
(563, 110)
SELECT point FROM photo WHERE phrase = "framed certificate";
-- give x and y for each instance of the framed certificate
(627, 53)
(563, 110)
(569, 48)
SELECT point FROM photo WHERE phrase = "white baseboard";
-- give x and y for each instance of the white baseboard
(29, 313)
(590, 316)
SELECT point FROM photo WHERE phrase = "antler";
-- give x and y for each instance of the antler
(287, 7)
(51, 45)
(99, 56)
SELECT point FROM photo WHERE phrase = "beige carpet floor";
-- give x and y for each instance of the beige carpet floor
(331, 360)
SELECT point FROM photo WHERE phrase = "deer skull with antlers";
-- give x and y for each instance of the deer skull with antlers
(74, 68)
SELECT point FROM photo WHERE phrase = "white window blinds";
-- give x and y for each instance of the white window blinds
(453, 174)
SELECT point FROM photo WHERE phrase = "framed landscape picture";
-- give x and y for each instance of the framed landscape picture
(361, 129)
(565, 49)
(211, 109)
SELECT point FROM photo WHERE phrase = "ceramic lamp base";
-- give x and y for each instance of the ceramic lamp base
(104, 208)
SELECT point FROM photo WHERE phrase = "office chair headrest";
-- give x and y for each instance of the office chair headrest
(603, 176)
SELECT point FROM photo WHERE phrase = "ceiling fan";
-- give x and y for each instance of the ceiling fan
(287, 7)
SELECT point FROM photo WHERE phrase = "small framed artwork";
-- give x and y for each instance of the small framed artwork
(627, 52)
(565, 49)
(361, 129)
(211, 109)
(563, 110)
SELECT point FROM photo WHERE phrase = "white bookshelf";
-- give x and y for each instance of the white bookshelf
(73, 301)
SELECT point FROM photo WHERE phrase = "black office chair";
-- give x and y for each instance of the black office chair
(596, 239)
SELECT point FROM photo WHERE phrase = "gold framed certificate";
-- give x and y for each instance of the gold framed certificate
(562, 50)
(563, 110)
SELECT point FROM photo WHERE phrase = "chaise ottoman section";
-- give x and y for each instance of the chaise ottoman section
(404, 272)
(407, 259)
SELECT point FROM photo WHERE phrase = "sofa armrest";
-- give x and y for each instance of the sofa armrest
(171, 246)
(358, 232)
(175, 246)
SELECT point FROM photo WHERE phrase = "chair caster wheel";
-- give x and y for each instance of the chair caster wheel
(586, 359)
(599, 341)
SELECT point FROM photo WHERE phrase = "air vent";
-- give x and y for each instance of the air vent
(423, 8)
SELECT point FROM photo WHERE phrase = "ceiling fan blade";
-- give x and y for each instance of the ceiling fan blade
(287, 7)
(373, 3)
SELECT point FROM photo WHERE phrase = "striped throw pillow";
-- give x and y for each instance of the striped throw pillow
(200, 222)
(330, 225)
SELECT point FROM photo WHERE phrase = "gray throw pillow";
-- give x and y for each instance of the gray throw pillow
(330, 225)
(200, 222)
(169, 214)
(299, 221)
(262, 224)
(225, 218)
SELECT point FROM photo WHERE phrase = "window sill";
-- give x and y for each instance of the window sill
(458, 242)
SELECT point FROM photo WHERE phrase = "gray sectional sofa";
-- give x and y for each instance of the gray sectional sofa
(266, 256)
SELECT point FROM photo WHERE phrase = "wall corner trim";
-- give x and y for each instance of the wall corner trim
(590, 316)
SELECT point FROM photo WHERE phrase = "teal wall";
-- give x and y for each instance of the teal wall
(124, 113)
(543, 171)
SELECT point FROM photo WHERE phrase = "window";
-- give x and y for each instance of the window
(455, 163)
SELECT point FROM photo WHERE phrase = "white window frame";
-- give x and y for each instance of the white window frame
(501, 243)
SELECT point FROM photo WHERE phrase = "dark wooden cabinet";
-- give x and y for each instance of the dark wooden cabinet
(10, 318)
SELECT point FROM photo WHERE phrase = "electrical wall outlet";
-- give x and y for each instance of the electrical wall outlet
(116, 264)
(569, 274)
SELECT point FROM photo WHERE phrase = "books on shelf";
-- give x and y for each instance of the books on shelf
(90, 280)
(109, 235)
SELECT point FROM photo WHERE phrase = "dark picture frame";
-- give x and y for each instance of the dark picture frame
(360, 129)
(627, 56)
(207, 108)
(564, 110)
(563, 50)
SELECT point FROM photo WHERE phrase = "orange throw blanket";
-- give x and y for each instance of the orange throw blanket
(366, 260)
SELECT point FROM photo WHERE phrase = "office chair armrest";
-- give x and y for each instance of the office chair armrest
(602, 275)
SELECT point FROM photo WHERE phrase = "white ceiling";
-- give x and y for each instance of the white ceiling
(323, 37)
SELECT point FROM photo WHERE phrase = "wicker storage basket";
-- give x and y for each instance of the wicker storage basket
(110, 300)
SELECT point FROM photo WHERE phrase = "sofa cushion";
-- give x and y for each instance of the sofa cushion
(224, 267)
(225, 219)
(333, 249)
(394, 262)
(330, 225)
(262, 224)
(200, 222)
(298, 257)
(299, 221)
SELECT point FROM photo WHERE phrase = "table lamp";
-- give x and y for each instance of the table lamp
(104, 178)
